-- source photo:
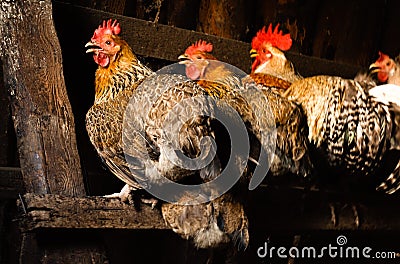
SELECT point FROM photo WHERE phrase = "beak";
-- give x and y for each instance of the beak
(253, 53)
(374, 68)
(93, 47)
(183, 59)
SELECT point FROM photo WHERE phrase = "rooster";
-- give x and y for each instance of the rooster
(130, 127)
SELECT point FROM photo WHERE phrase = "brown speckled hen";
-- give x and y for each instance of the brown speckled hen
(224, 219)
(118, 75)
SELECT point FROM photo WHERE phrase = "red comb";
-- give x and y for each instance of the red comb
(200, 45)
(276, 38)
(382, 57)
(107, 28)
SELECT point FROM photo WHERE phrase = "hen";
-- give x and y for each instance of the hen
(222, 81)
(118, 75)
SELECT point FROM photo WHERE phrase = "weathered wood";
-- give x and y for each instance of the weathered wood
(54, 211)
(41, 112)
(167, 43)
(225, 18)
(182, 13)
(291, 212)
(300, 211)
(4, 121)
(42, 115)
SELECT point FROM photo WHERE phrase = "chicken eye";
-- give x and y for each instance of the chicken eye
(198, 57)
(108, 42)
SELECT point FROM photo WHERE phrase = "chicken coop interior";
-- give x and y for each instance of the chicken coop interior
(54, 211)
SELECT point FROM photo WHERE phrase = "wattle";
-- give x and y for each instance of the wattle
(192, 72)
(101, 59)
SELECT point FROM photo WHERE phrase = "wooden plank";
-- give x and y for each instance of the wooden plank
(295, 210)
(54, 211)
(42, 115)
(291, 212)
(167, 43)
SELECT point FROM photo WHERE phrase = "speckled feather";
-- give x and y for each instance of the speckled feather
(292, 150)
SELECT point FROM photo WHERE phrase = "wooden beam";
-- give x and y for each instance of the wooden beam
(167, 43)
(54, 211)
(269, 208)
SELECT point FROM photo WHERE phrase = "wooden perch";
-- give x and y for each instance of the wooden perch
(270, 209)
(54, 211)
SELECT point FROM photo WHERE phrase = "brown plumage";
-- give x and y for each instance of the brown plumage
(130, 107)
(210, 224)
(268, 80)
(224, 219)
(118, 75)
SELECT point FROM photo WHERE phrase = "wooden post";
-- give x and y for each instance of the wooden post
(43, 118)
(41, 112)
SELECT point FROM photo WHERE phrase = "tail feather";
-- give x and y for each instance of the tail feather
(392, 183)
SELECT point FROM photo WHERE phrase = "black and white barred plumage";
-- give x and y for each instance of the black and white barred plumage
(352, 129)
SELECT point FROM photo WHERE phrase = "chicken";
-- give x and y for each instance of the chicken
(388, 70)
(224, 219)
(118, 75)
(273, 74)
(353, 132)
(156, 130)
